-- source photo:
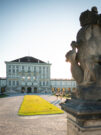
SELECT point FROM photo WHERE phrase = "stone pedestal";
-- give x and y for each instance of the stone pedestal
(89, 127)
(84, 109)
(83, 117)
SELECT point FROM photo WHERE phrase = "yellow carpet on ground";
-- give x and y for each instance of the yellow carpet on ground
(35, 105)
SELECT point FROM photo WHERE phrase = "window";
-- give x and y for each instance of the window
(17, 83)
(40, 70)
(17, 66)
(47, 83)
(17, 69)
(22, 67)
(9, 70)
(13, 83)
(40, 83)
(43, 76)
(13, 70)
(47, 69)
(34, 68)
(29, 68)
(9, 83)
(9, 66)
(43, 71)
(47, 72)
(43, 83)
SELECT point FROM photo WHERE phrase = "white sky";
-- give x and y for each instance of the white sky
(42, 29)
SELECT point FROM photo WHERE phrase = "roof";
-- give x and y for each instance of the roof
(28, 59)
(2, 78)
(55, 79)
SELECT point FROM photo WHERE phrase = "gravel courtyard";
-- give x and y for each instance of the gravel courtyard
(12, 124)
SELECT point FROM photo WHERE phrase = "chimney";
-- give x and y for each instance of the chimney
(19, 60)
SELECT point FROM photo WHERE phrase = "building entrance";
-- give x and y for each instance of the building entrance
(23, 90)
(29, 90)
(2, 90)
(35, 89)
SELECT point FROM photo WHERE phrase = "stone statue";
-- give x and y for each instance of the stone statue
(84, 107)
(86, 61)
(76, 69)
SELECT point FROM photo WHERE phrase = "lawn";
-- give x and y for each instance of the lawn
(3, 95)
(35, 105)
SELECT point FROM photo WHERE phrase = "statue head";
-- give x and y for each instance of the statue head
(74, 44)
(71, 56)
(94, 9)
(89, 17)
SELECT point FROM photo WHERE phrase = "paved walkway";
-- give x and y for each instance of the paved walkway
(12, 124)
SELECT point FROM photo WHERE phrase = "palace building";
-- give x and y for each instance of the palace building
(31, 75)
(63, 84)
(27, 74)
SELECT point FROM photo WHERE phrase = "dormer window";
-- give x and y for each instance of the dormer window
(28, 59)
(22, 67)
(28, 68)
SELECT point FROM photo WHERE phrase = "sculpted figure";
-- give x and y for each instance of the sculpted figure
(86, 61)
(76, 69)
